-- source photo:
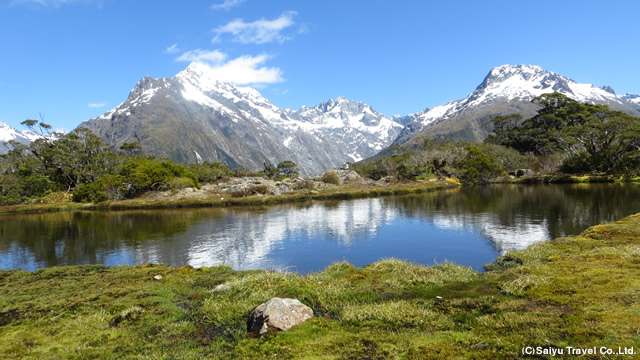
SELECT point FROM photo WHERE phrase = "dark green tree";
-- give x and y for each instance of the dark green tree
(288, 169)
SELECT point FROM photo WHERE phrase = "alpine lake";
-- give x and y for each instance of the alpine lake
(469, 226)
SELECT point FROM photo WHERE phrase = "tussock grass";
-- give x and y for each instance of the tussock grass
(396, 315)
(579, 291)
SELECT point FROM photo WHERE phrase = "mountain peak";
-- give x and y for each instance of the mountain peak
(521, 77)
(198, 73)
(510, 89)
(608, 89)
(8, 133)
(633, 98)
(515, 69)
(197, 68)
(202, 118)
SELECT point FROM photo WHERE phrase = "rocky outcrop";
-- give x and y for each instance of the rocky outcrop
(278, 314)
(255, 185)
(521, 172)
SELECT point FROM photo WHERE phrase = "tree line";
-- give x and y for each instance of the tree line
(564, 136)
(82, 164)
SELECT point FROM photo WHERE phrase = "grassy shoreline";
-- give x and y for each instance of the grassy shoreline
(564, 179)
(342, 192)
(580, 291)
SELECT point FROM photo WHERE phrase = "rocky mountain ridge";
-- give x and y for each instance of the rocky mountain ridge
(506, 90)
(8, 133)
(193, 117)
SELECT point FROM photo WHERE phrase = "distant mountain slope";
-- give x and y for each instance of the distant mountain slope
(505, 90)
(632, 98)
(192, 117)
(8, 133)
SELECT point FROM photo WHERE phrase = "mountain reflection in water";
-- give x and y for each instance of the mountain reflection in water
(470, 226)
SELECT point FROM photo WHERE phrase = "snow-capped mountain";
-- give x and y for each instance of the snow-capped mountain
(8, 133)
(193, 117)
(633, 98)
(506, 90)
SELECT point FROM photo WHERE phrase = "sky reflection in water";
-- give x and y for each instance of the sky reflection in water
(466, 226)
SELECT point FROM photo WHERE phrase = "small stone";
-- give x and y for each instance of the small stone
(279, 314)
(222, 287)
(157, 277)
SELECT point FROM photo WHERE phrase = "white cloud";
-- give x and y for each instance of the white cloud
(248, 70)
(257, 32)
(96, 105)
(199, 55)
(54, 3)
(227, 5)
(173, 49)
(241, 70)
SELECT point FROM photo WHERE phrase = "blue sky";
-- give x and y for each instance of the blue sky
(72, 60)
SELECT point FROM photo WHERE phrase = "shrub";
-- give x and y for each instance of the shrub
(300, 185)
(55, 198)
(35, 185)
(209, 172)
(479, 168)
(577, 164)
(242, 172)
(331, 177)
(10, 190)
(258, 189)
(178, 183)
(89, 193)
(143, 174)
(114, 186)
(288, 169)
(509, 158)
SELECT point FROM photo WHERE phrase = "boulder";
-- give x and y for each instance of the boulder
(278, 314)
(523, 172)
(348, 175)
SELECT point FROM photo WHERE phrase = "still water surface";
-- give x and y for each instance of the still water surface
(469, 226)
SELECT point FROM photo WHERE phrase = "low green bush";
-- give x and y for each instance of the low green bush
(331, 177)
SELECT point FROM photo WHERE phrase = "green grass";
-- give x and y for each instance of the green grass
(579, 291)
(566, 179)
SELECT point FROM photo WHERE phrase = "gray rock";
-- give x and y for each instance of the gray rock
(278, 314)
(348, 175)
(523, 172)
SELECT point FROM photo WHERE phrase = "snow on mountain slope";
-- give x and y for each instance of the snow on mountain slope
(193, 117)
(515, 85)
(8, 133)
(632, 98)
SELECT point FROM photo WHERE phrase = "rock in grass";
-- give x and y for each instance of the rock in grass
(279, 314)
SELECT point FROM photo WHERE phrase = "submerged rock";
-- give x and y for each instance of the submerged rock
(279, 314)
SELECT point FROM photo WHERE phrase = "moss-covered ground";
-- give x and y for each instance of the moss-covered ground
(580, 291)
